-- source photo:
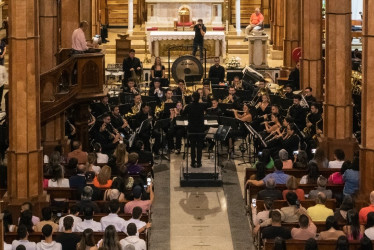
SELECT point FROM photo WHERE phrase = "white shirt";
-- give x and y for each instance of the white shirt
(7, 246)
(94, 225)
(78, 40)
(139, 244)
(304, 179)
(96, 169)
(76, 219)
(28, 244)
(113, 219)
(46, 246)
(335, 164)
(102, 158)
(370, 233)
(139, 224)
(60, 183)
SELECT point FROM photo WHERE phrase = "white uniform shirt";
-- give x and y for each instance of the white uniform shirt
(113, 219)
(139, 224)
(61, 223)
(28, 244)
(94, 225)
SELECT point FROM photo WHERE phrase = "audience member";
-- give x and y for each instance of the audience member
(276, 229)
(351, 178)
(48, 242)
(337, 177)
(71, 167)
(321, 187)
(137, 202)
(132, 239)
(307, 228)
(279, 176)
(369, 231)
(342, 243)
(88, 222)
(338, 159)
(91, 161)
(110, 239)
(118, 158)
(9, 227)
(78, 180)
(293, 186)
(78, 153)
(270, 192)
(87, 241)
(73, 213)
(112, 218)
(57, 177)
(300, 160)
(332, 232)
(86, 200)
(353, 230)
(47, 220)
(320, 159)
(100, 157)
(102, 180)
(311, 244)
(320, 212)
(260, 217)
(132, 164)
(97, 193)
(279, 243)
(313, 174)
(260, 172)
(283, 156)
(67, 238)
(23, 235)
(28, 206)
(365, 210)
(366, 244)
(340, 213)
(26, 220)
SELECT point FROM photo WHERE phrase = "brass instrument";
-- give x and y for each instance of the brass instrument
(317, 123)
(134, 110)
(356, 81)
(159, 109)
(307, 130)
(280, 91)
(260, 93)
(226, 100)
(303, 102)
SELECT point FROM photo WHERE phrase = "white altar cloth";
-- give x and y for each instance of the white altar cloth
(217, 36)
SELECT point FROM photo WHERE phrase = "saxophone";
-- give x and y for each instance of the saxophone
(307, 130)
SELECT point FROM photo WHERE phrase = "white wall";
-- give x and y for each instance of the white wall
(357, 7)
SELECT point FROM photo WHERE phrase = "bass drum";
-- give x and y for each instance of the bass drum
(187, 66)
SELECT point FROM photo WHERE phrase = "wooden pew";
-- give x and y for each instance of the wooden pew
(63, 193)
(251, 190)
(278, 204)
(322, 244)
(97, 217)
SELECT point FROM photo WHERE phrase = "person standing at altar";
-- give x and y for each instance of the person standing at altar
(198, 40)
(131, 67)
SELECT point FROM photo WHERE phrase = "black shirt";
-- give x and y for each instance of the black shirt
(68, 240)
(217, 72)
(198, 37)
(273, 232)
(195, 113)
(273, 194)
(294, 79)
(158, 73)
(129, 63)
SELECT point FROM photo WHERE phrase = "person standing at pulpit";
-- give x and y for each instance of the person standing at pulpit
(198, 41)
(78, 39)
(217, 71)
(131, 67)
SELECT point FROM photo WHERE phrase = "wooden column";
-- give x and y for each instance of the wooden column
(272, 21)
(81, 117)
(337, 116)
(48, 34)
(265, 9)
(279, 25)
(367, 117)
(311, 44)
(25, 171)
(53, 133)
(85, 13)
(291, 31)
(69, 15)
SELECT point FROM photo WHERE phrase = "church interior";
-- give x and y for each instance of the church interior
(96, 124)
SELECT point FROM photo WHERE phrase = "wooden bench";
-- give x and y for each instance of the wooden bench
(97, 217)
(322, 244)
(63, 193)
(278, 204)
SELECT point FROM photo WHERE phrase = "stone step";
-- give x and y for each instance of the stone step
(238, 51)
(137, 37)
(237, 46)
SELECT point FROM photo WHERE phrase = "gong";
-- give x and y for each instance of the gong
(187, 66)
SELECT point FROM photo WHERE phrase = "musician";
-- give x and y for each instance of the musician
(200, 91)
(274, 110)
(175, 131)
(120, 123)
(131, 88)
(308, 95)
(246, 116)
(214, 109)
(169, 96)
(137, 104)
(105, 134)
(291, 141)
(275, 121)
(157, 70)
(195, 114)
(297, 112)
(207, 96)
(312, 118)
(102, 107)
(232, 98)
(217, 71)
(294, 77)
(237, 83)
(263, 107)
(240, 131)
(156, 90)
(288, 91)
(131, 65)
(181, 88)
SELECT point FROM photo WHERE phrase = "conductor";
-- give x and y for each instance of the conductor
(195, 128)
(198, 40)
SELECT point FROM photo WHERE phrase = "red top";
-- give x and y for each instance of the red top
(299, 192)
(364, 213)
(98, 185)
(256, 19)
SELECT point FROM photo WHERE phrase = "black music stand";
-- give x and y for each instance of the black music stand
(192, 80)
(176, 98)
(231, 75)
(220, 93)
(255, 135)
(161, 125)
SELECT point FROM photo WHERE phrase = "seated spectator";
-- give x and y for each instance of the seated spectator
(283, 156)
(351, 178)
(132, 164)
(48, 242)
(47, 220)
(340, 213)
(67, 238)
(337, 177)
(78, 180)
(112, 218)
(71, 167)
(23, 235)
(144, 155)
(342, 243)
(57, 177)
(86, 200)
(8, 225)
(91, 160)
(102, 180)
(88, 222)
(366, 244)
(266, 158)
(137, 202)
(26, 220)
(137, 213)
(28, 206)
(293, 186)
(279, 243)
(260, 217)
(300, 160)
(321, 187)
(260, 172)
(87, 241)
(352, 230)
(132, 239)
(313, 174)
(110, 239)
(97, 193)
(270, 192)
(100, 157)
(276, 229)
(73, 212)
(332, 232)
(311, 244)
(279, 176)
(78, 153)
(118, 159)
(365, 210)
(307, 228)
(320, 212)
(338, 159)
(8, 246)
(369, 228)
(114, 194)
(320, 159)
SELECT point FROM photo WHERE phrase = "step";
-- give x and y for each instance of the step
(237, 46)
(238, 51)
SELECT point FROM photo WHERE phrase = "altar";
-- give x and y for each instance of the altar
(160, 41)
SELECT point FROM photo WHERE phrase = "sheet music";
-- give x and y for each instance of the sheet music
(181, 123)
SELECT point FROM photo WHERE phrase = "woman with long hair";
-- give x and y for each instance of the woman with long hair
(246, 116)
(342, 243)
(8, 222)
(110, 239)
(157, 70)
(87, 241)
(312, 176)
(116, 191)
(353, 230)
(91, 161)
(276, 124)
(300, 160)
(320, 158)
(57, 177)
(337, 177)
(118, 158)
(260, 172)
(293, 186)
(102, 180)
(26, 219)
